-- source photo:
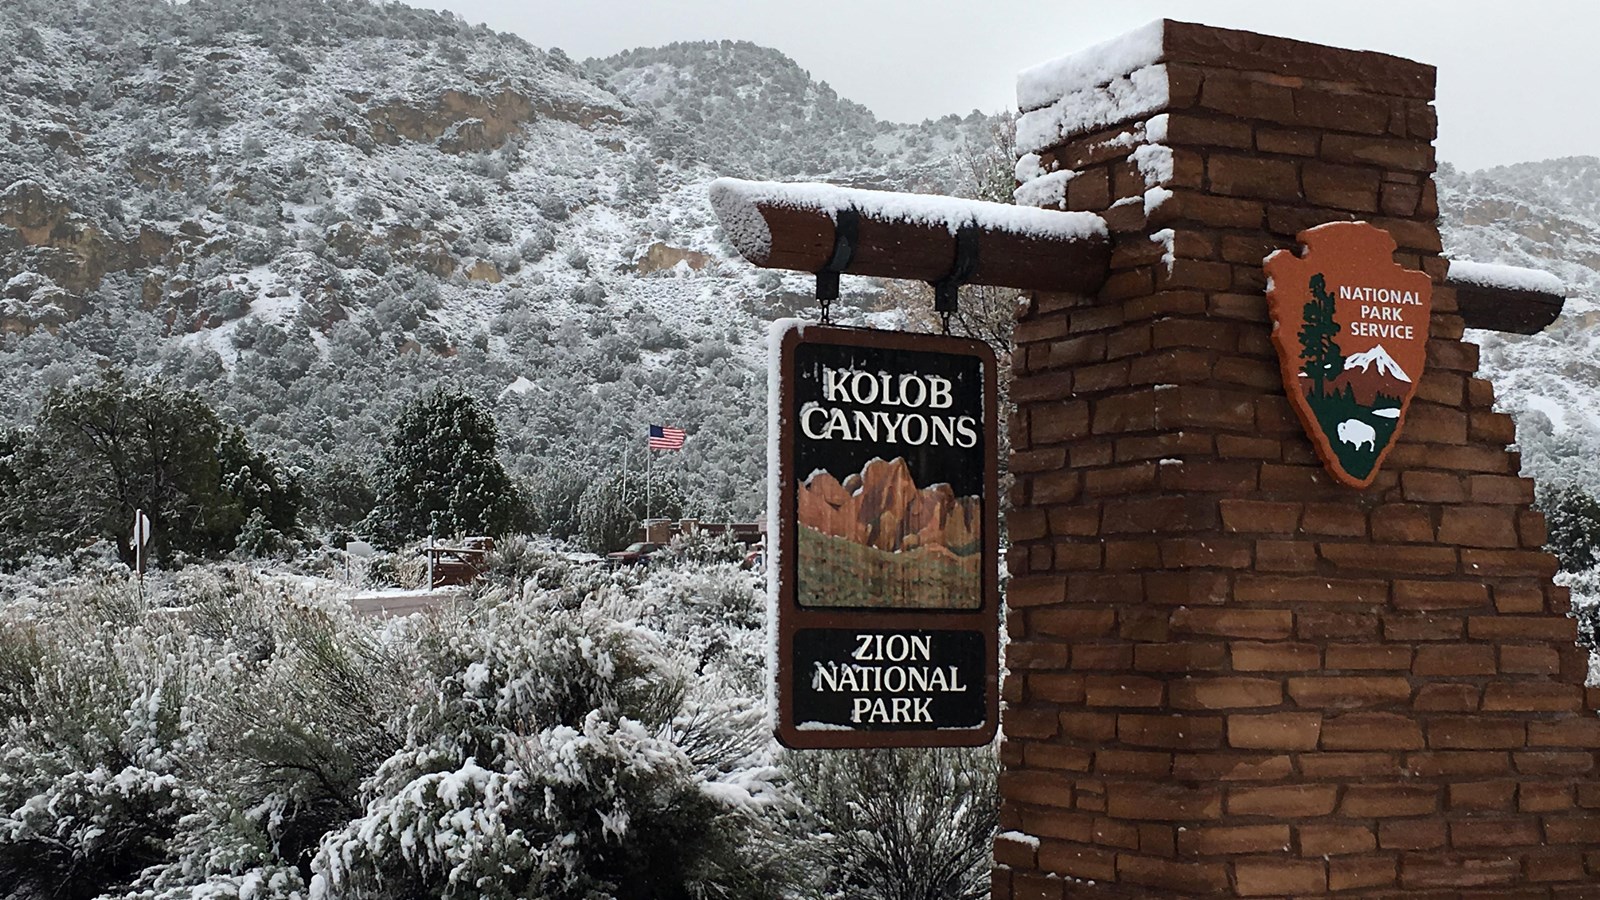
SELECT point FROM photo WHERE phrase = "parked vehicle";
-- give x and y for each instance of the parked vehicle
(634, 554)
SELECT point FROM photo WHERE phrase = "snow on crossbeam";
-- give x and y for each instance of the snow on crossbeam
(912, 236)
(1510, 278)
(1506, 298)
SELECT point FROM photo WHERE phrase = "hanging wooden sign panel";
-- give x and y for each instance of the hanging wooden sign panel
(885, 593)
(1351, 328)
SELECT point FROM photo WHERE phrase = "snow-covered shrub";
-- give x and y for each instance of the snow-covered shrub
(97, 736)
(553, 208)
(556, 758)
(568, 731)
(898, 824)
(197, 744)
(534, 247)
(611, 508)
(519, 563)
(1585, 587)
(404, 568)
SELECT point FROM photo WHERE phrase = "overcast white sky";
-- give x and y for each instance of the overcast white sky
(1517, 78)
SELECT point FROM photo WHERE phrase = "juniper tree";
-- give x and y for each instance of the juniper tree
(441, 474)
(101, 450)
(611, 508)
(1572, 517)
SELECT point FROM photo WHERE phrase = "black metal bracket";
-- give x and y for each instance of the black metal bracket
(847, 227)
(947, 289)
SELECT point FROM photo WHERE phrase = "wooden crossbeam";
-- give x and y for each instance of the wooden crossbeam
(912, 236)
(1506, 309)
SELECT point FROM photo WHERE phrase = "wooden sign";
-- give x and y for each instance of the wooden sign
(1351, 328)
(884, 581)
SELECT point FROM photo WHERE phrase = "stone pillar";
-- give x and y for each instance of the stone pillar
(1229, 676)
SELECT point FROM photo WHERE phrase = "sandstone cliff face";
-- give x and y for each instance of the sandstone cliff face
(465, 123)
(42, 235)
(882, 507)
(65, 247)
(659, 256)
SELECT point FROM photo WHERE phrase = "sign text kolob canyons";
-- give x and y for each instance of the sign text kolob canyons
(1351, 328)
(885, 572)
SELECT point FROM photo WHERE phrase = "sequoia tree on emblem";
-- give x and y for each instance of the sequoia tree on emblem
(1351, 328)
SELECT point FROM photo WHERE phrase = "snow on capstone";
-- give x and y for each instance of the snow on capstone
(1019, 838)
(1128, 97)
(1154, 197)
(1154, 162)
(736, 200)
(1511, 278)
(1165, 237)
(1028, 167)
(1047, 82)
(1155, 130)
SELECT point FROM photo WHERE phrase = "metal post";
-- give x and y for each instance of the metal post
(138, 550)
(430, 562)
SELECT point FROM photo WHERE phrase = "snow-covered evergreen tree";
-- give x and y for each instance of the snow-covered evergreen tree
(441, 473)
(102, 449)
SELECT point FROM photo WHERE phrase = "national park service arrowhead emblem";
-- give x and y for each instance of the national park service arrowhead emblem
(1351, 328)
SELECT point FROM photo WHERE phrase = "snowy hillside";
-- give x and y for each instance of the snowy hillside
(310, 210)
(1542, 215)
(750, 111)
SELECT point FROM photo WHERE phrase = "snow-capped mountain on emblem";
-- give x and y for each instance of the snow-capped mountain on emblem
(1373, 374)
(1380, 357)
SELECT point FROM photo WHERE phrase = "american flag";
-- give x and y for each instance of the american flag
(665, 437)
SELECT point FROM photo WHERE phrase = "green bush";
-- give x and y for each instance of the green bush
(441, 473)
(1572, 519)
(102, 449)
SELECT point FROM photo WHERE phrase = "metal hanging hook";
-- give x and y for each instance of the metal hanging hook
(847, 224)
(947, 290)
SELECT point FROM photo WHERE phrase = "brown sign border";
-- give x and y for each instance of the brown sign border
(791, 617)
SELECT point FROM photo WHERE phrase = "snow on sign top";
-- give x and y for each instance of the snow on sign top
(1509, 278)
(1099, 65)
(736, 202)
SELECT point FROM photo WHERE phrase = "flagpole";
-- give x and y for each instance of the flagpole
(648, 459)
(138, 549)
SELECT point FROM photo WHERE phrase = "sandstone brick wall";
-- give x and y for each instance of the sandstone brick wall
(1229, 676)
